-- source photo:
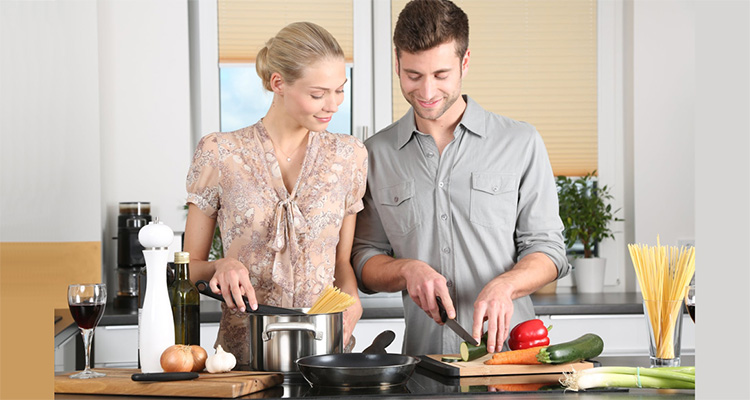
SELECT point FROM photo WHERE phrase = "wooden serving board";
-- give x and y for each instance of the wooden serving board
(227, 385)
(477, 367)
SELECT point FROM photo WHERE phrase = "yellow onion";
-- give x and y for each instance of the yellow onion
(183, 358)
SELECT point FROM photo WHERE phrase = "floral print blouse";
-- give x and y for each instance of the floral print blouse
(286, 240)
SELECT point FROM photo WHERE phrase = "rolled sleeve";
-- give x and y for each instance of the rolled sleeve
(369, 239)
(539, 227)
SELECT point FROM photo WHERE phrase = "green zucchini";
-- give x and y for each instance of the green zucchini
(450, 359)
(583, 348)
(470, 352)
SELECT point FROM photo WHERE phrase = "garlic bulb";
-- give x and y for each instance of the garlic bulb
(221, 361)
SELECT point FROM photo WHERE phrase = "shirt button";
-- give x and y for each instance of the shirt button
(441, 184)
(395, 199)
(446, 250)
(494, 188)
(430, 154)
(449, 283)
(444, 217)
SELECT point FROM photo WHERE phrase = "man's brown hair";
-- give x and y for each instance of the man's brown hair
(424, 24)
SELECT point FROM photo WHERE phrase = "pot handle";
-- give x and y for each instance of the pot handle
(291, 326)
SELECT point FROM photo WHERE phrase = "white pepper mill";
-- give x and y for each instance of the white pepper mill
(155, 325)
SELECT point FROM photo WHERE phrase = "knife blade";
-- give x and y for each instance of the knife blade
(455, 327)
(164, 376)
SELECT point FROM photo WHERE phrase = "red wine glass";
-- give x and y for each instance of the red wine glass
(87, 302)
(690, 301)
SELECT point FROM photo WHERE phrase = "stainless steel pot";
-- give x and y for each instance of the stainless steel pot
(277, 341)
(279, 336)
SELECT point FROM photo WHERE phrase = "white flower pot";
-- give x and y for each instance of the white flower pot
(589, 274)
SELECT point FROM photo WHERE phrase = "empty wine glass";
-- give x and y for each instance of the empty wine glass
(690, 301)
(87, 302)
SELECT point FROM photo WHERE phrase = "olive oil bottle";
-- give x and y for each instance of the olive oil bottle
(185, 300)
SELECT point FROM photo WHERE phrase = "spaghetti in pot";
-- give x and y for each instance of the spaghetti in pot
(664, 273)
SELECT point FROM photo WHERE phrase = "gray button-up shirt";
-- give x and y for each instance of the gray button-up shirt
(471, 213)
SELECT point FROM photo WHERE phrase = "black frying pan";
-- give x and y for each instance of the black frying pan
(373, 368)
(262, 308)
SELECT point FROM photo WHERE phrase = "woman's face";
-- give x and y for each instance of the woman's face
(313, 98)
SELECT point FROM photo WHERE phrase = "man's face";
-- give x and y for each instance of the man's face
(431, 80)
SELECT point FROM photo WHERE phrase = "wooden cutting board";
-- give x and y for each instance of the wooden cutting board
(477, 367)
(118, 381)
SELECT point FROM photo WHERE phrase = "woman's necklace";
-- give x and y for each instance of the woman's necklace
(289, 156)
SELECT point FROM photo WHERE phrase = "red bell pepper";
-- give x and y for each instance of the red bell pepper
(531, 333)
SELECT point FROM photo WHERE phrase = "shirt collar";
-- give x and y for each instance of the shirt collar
(472, 120)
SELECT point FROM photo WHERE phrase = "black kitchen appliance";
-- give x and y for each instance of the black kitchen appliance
(133, 216)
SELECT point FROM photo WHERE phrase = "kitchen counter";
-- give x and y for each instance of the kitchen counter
(426, 384)
(429, 385)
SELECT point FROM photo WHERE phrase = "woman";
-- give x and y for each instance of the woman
(285, 192)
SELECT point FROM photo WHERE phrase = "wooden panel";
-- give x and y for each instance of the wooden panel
(33, 282)
(48, 268)
(118, 381)
(479, 368)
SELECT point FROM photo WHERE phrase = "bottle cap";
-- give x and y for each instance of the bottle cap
(181, 257)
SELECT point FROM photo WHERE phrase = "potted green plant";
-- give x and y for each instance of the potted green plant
(586, 214)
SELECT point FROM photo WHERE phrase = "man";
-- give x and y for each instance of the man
(461, 203)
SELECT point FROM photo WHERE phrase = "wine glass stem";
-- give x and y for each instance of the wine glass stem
(88, 337)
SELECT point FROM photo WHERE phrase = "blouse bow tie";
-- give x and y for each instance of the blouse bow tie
(289, 221)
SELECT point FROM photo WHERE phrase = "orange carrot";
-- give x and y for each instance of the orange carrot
(517, 387)
(523, 356)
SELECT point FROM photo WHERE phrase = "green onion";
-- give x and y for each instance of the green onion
(631, 377)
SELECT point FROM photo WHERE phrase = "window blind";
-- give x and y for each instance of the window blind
(245, 26)
(534, 61)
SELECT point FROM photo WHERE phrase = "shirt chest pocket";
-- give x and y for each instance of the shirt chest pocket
(397, 208)
(494, 199)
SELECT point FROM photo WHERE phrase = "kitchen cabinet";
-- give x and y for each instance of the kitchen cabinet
(623, 334)
(366, 330)
(116, 346)
(65, 354)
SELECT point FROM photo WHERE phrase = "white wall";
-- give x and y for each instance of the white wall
(145, 111)
(663, 121)
(49, 122)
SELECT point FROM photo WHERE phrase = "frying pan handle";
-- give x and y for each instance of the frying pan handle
(291, 326)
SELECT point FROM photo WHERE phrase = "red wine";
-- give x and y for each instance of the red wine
(691, 311)
(87, 315)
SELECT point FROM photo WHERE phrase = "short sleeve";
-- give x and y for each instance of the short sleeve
(354, 202)
(203, 177)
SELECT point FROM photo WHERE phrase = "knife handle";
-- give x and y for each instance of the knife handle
(164, 376)
(441, 309)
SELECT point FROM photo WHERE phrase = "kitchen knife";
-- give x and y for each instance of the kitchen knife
(455, 327)
(164, 376)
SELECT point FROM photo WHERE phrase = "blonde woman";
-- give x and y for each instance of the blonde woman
(284, 191)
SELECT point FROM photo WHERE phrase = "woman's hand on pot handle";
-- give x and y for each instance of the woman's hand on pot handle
(232, 281)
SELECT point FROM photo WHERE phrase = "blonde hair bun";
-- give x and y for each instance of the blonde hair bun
(296, 46)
